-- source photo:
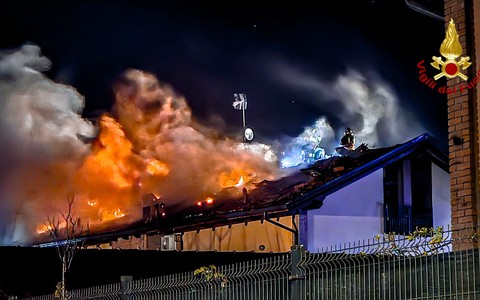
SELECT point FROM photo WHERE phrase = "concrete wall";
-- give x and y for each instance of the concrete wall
(350, 214)
(355, 213)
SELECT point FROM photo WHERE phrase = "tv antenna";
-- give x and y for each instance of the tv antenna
(240, 103)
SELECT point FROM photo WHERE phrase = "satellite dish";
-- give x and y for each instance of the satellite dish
(248, 134)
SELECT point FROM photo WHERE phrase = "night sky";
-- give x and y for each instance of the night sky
(287, 57)
(207, 51)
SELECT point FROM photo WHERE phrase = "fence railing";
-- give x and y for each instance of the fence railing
(424, 265)
(419, 266)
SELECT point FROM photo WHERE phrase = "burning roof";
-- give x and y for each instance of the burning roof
(304, 188)
(149, 144)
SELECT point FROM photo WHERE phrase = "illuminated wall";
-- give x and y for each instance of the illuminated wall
(255, 236)
(352, 213)
(356, 212)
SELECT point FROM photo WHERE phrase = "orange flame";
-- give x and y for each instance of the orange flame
(240, 182)
(92, 202)
(156, 167)
(46, 228)
(112, 158)
(235, 178)
(118, 213)
(110, 215)
(154, 147)
(108, 175)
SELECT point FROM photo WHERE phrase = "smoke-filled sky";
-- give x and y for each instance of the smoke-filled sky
(156, 81)
(290, 59)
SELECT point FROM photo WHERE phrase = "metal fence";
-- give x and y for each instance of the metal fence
(424, 265)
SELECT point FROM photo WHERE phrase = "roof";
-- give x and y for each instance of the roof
(303, 189)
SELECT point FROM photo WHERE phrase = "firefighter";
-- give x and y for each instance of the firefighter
(348, 140)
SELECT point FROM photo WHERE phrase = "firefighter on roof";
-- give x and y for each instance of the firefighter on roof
(348, 139)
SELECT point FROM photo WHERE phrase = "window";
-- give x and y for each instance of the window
(407, 189)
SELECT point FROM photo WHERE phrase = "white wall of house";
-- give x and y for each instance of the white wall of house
(355, 213)
(442, 214)
(351, 214)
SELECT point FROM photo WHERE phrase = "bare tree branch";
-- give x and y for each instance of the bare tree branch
(66, 232)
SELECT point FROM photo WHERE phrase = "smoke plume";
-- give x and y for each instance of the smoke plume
(149, 144)
(361, 101)
(197, 162)
(43, 136)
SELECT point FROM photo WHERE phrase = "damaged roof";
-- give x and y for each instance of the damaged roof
(303, 189)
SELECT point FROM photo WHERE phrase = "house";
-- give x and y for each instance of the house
(394, 189)
(332, 201)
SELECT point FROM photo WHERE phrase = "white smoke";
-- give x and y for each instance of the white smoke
(40, 117)
(157, 120)
(41, 127)
(361, 101)
(309, 145)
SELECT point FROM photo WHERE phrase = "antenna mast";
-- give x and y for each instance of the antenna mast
(240, 103)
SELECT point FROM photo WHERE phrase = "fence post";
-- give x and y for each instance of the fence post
(297, 273)
(124, 280)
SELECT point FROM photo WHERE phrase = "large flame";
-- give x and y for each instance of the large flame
(111, 159)
(108, 177)
(451, 47)
(182, 162)
(149, 144)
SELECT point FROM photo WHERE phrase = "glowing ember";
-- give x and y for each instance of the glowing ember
(209, 200)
